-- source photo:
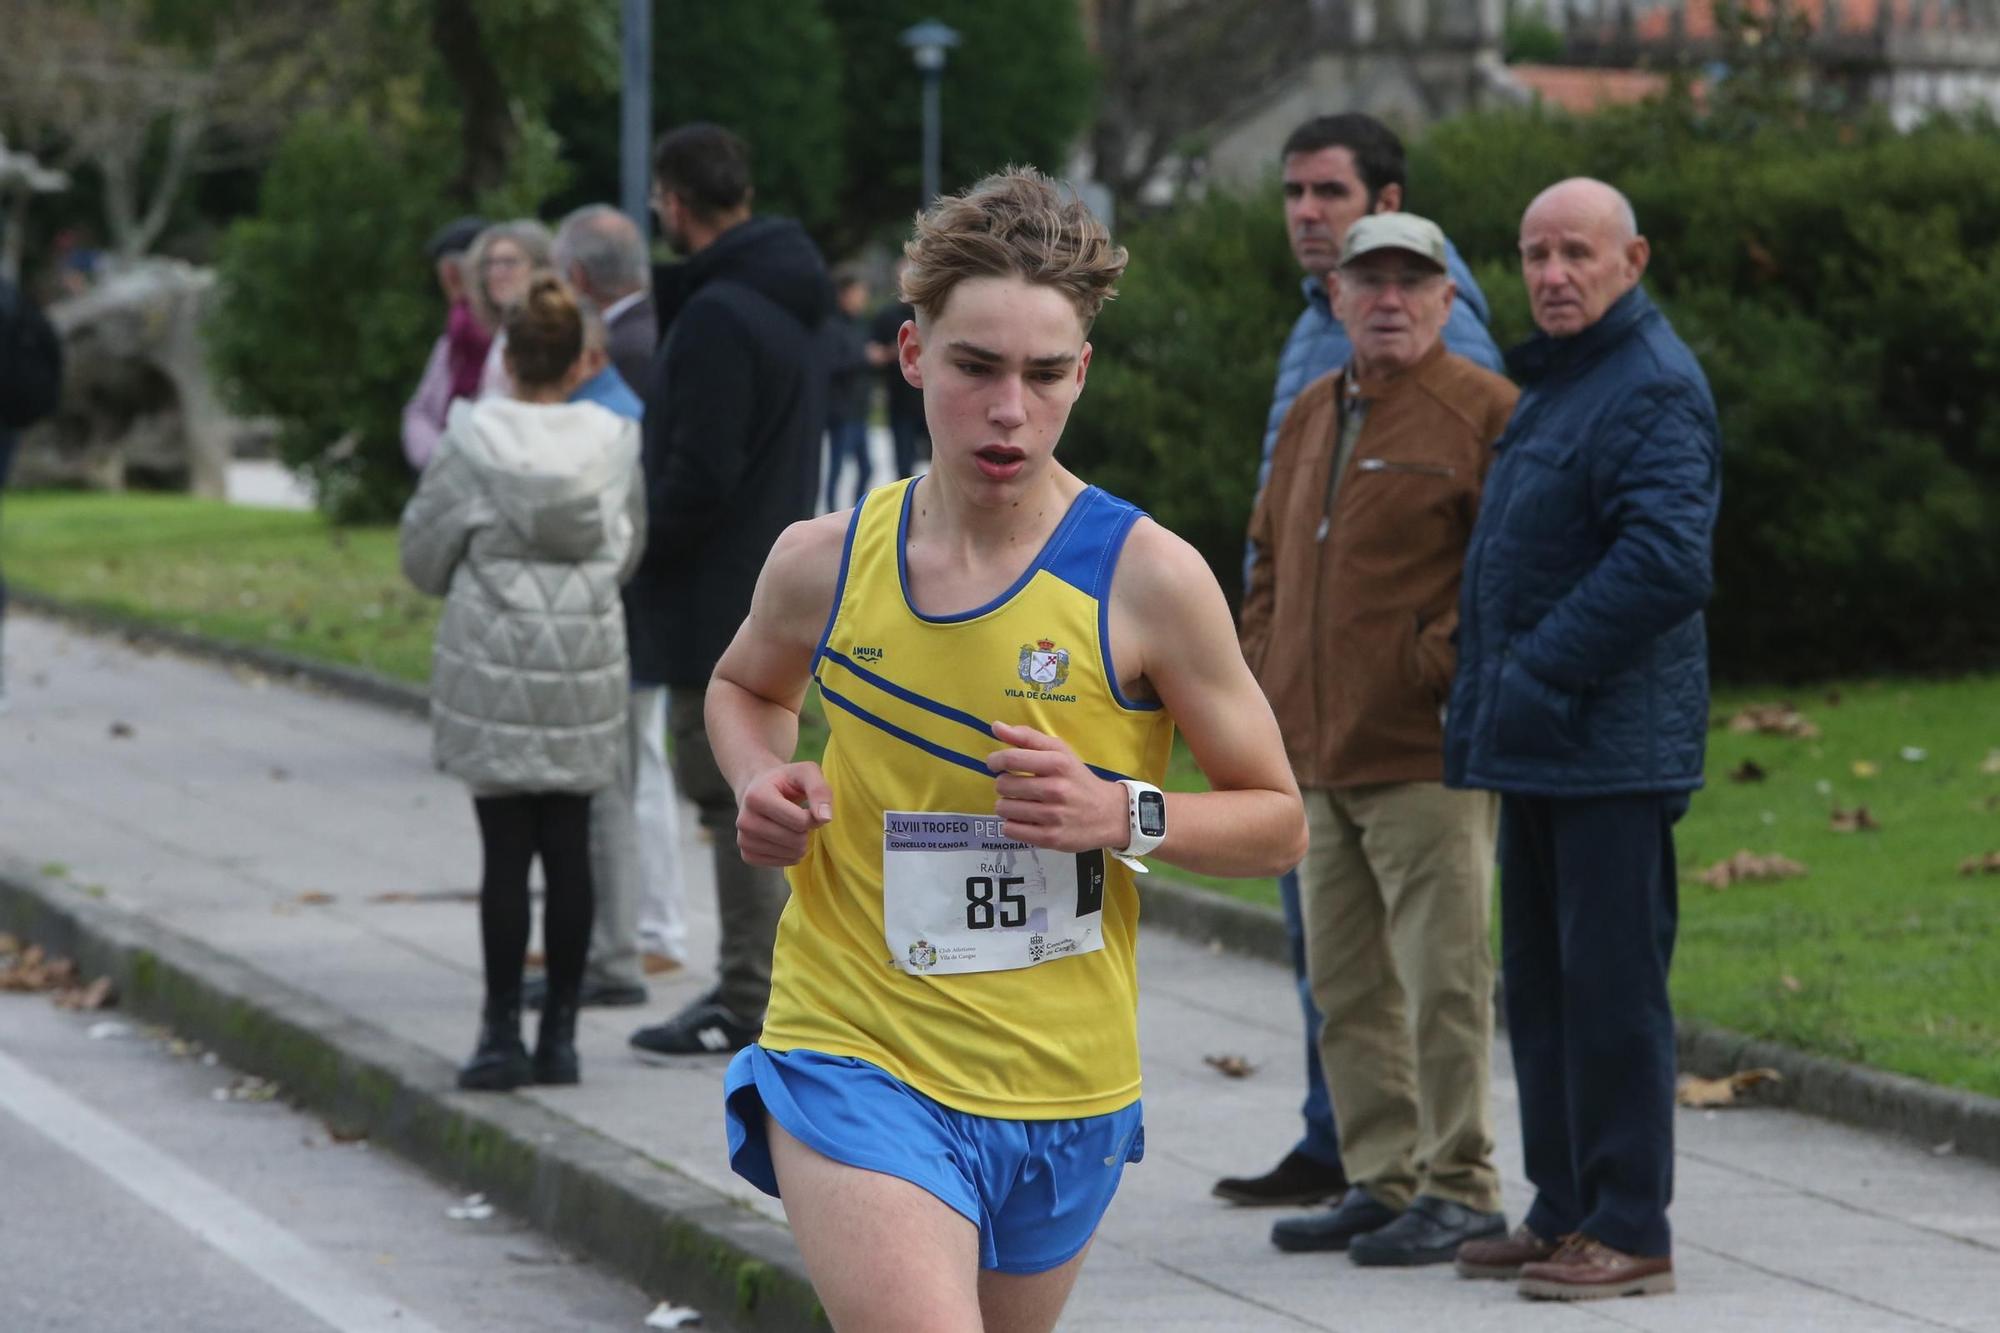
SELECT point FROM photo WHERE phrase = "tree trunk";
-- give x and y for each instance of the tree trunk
(488, 133)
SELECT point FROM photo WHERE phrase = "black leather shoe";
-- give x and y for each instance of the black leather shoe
(594, 995)
(1429, 1232)
(500, 1062)
(555, 1045)
(1356, 1214)
(1293, 1183)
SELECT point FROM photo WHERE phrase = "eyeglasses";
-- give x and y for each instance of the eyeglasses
(1373, 282)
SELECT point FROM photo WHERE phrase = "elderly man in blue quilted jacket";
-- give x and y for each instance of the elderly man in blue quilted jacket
(1582, 697)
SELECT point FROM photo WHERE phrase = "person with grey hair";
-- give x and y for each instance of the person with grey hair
(499, 265)
(603, 255)
(1582, 698)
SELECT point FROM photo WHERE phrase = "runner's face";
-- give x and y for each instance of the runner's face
(1000, 366)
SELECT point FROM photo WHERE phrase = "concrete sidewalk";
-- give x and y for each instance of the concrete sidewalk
(209, 804)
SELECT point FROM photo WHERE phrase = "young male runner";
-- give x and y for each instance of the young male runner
(947, 1086)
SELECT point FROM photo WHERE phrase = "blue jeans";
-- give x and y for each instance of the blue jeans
(1321, 1141)
(846, 439)
(906, 432)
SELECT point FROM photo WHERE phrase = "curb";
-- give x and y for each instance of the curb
(1833, 1089)
(635, 1215)
(352, 682)
(1941, 1119)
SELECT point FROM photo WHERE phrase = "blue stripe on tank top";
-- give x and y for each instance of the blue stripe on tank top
(929, 705)
(847, 705)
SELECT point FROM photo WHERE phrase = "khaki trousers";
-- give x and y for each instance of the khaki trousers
(1396, 893)
(748, 899)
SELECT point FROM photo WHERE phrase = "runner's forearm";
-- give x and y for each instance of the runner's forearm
(748, 733)
(1242, 834)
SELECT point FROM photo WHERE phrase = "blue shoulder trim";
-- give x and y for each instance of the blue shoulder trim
(840, 583)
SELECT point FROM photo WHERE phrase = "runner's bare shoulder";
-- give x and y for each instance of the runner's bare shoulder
(802, 573)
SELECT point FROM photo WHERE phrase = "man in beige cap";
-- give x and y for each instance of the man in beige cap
(1358, 539)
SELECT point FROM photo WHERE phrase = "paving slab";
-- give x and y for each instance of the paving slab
(225, 800)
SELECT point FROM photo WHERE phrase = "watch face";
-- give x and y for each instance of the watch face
(1152, 814)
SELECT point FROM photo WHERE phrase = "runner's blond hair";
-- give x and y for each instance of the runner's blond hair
(1012, 224)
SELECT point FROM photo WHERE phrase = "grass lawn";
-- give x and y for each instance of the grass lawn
(1881, 953)
(282, 580)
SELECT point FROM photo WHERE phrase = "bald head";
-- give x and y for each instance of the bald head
(1580, 251)
(602, 254)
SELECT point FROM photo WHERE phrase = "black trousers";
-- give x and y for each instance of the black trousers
(513, 831)
(1589, 902)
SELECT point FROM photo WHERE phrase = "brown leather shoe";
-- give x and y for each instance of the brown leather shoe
(1503, 1258)
(1583, 1269)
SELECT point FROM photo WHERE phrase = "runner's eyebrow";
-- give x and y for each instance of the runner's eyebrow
(1054, 361)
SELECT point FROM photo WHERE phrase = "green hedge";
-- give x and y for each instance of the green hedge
(328, 304)
(1839, 281)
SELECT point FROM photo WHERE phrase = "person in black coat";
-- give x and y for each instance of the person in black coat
(30, 387)
(735, 404)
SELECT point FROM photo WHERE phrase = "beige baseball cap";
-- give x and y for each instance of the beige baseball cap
(1394, 231)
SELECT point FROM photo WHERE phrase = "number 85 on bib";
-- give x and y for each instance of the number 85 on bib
(958, 896)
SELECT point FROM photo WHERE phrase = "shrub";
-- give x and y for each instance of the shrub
(1839, 282)
(1172, 415)
(328, 305)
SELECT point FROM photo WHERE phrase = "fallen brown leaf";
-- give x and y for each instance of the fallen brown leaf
(1748, 771)
(1863, 768)
(316, 898)
(1746, 866)
(1991, 763)
(1791, 983)
(1988, 864)
(1233, 1066)
(33, 970)
(99, 994)
(1779, 719)
(1690, 1090)
(1857, 820)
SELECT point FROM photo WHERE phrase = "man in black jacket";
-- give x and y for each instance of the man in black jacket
(30, 385)
(734, 410)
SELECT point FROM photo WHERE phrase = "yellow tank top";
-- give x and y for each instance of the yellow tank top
(910, 699)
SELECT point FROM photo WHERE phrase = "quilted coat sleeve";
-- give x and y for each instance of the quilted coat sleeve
(437, 523)
(1657, 499)
(635, 511)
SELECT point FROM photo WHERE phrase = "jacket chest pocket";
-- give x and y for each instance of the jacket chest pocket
(1404, 467)
(1543, 489)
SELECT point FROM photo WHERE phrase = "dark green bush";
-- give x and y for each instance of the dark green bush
(1172, 415)
(328, 306)
(1839, 282)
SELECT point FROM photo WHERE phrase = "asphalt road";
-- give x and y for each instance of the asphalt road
(144, 1189)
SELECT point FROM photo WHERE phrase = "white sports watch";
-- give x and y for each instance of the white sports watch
(1147, 805)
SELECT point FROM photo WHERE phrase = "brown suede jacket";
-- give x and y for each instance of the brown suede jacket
(1348, 627)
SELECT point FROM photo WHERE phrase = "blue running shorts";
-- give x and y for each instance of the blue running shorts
(1036, 1189)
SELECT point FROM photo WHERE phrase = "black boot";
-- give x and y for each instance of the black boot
(500, 1062)
(555, 1047)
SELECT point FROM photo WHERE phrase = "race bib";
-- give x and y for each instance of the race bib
(958, 896)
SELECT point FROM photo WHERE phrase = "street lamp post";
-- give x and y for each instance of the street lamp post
(928, 42)
(635, 106)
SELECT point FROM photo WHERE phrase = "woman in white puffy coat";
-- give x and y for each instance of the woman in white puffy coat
(528, 520)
